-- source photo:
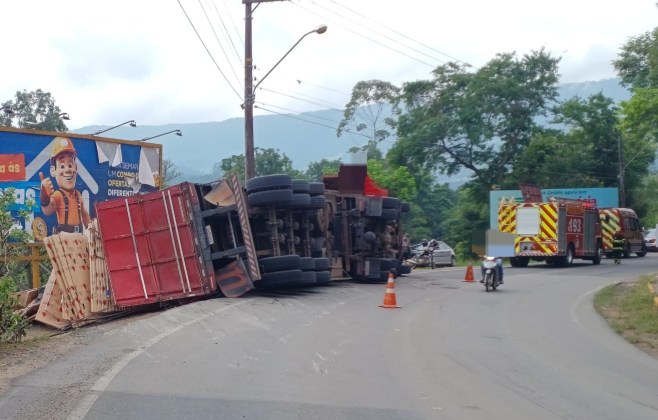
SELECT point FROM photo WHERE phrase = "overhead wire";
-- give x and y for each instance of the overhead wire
(365, 36)
(228, 35)
(208, 51)
(401, 34)
(377, 32)
(221, 46)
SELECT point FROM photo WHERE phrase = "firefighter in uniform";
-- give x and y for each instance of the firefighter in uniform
(618, 245)
(66, 202)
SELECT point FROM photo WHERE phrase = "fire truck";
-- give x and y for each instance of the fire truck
(556, 231)
(625, 222)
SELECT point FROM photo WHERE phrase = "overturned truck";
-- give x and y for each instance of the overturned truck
(190, 240)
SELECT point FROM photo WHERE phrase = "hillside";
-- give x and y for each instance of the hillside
(304, 138)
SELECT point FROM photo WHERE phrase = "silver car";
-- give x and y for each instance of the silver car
(443, 255)
(650, 240)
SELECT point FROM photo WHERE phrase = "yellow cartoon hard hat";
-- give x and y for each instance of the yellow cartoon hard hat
(62, 145)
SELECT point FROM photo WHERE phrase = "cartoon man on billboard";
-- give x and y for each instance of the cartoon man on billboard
(66, 202)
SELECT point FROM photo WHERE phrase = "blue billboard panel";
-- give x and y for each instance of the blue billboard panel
(66, 174)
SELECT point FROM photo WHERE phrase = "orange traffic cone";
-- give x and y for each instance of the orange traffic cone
(469, 274)
(389, 297)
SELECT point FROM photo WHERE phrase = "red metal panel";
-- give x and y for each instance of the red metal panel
(161, 229)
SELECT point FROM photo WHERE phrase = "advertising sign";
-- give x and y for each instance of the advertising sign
(65, 174)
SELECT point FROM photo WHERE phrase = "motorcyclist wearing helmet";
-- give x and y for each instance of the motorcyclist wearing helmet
(66, 202)
(499, 268)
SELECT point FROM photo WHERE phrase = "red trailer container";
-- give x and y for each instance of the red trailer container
(153, 247)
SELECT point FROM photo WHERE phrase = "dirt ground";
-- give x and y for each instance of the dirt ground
(44, 344)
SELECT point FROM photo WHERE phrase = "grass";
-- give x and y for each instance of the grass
(630, 310)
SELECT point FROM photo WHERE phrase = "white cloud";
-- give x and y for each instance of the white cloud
(108, 62)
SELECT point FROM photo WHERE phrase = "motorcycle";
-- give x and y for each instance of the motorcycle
(491, 280)
(422, 256)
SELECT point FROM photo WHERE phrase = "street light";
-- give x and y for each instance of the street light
(178, 133)
(131, 122)
(249, 90)
(34, 124)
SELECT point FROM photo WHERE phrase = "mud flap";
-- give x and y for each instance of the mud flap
(233, 280)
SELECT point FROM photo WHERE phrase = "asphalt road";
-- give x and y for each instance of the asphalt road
(534, 349)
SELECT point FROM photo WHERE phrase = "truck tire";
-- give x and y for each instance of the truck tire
(599, 254)
(279, 279)
(300, 186)
(282, 197)
(316, 188)
(268, 182)
(300, 200)
(567, 260)
(643, 252)
(282, 262)
(519, 261)
(322, 277)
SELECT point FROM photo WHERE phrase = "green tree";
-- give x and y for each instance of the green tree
(637, 62)
(371, 112)
(397, 180)
(480, 121)
(268, 162)
(35, 109)
(316, 170)
(584, 152)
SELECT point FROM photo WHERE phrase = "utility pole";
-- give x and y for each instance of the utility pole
(250, 167)
(622, 188)
(249, 95)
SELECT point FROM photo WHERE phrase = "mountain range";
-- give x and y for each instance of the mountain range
(304, 138)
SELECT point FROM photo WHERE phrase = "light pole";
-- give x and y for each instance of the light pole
(131, 122)
(178, 133)
(249, 89)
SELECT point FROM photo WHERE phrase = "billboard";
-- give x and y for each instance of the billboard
(65, 174)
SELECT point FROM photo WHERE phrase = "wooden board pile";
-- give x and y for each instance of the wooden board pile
(78, 289)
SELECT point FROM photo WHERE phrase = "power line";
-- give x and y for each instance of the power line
(367, 37)
(401, 34)
(208, 51)
(221, 46)
(299, 99)
(230, 38)
(377, 32)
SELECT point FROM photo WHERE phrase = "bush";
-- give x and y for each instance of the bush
(13, 327)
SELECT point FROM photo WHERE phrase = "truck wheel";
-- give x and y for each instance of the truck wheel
(283, 262)
(567, 260)
(643, 252)
(268, 182)
(519, 261)
(270, 197)
(627, 250)
(599, 254)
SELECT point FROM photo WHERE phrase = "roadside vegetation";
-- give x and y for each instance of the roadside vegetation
(630, 310)
(13, 327)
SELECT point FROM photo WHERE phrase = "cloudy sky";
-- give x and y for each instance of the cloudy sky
(106, 62)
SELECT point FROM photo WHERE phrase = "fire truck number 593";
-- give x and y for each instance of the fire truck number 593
(575, 226)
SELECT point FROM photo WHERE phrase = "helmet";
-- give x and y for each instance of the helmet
(62, 145)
